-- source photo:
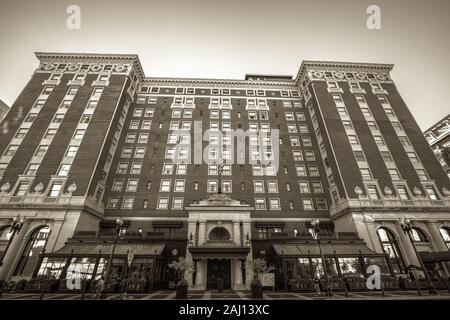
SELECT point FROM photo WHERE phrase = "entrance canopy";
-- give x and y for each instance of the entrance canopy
(328, 249)
(85, 249)
(219, 250)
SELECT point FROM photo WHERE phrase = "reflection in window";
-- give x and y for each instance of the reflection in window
(30, 256)
(418, 235)
(390, 247)
(445, 233)
(350, 266)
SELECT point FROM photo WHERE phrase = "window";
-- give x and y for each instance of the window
(165, 185)
(292, 128)
(146, 125)
(122, 168)
(79, 134)
(373, 192)
(212, 186)
(128, 203)
(39, 104)
(303, 187)
(321, 204)
(58, 118)
(134, 125)
(258, 186)
(50, 134)
(41, 150)
(21, 133)
(274, 204)
(390, 247)
(445, 233)
(303, 128)
(177, 203)
(297, 154)
(260, 204)
(413, 156)
(314, 171)
(139, 153)
(167, 168)
(272, 186)
(372, 125)
(31, 255)
(11, 150)
(64, 170)
(55, 190)
(402, 193)
(72, 151)
(92, 104)
(366, 112)
(379, 140)
(404, 140)
(317, 187)
(226, 186)
(22, 188)
(113, 203)
(386, 155)
(32, 169)
(30, 117)
(337, 98)
(342, 111)
(395, 175)
(179, 186)
(131, 138)
(359, 155)
(422, 174)
(295, 141)
(431, 192)
(301, 171)
(347, 124)
(163, 203)
(117, 185)
(308, 204)
(366, 174)
(132, 185)
(126, 152)
(143, 138)
(309, 155)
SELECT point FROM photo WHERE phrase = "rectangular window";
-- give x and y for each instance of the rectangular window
(163, 203)
(41, 150)
(134, 124)
(179, 186)
(308, 204)
(128, 203)
(21, 133)
(301, 171)
(139, 153)
(212, 185)
(272, 186)
(113, 203)
(146, 125)
(386, 155)
(50, 134)
(79, 134)
(309, 155)
(317, 187)
(64, 170)
(365, 173)
(413, 156)
(117, 185)
(177, 203)
(55, 190)
(132, 185)
(313, 171)
(136, 168)
(258, 186)
(58, 118)
(373, 192)
(402, 193)
(32, 169)
(165, 185)
(359, 155)
(131, 138)
(321, 204)
(297, 154)
(431, 192)
(353, 139)
(260, 204)
(22, 188)
(274, 204)
(11, 150)
(143, 138)
(181, 169)
(122, 168)
(72, 151)
(126, 152)
(422, 174)
(303, 187)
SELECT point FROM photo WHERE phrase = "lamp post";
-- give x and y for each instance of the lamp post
(316, 234)
(16, 225)
(220, 166)
(407, 228)
(119, 224)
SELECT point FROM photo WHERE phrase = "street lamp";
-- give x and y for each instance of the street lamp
(119, 224)
(16, 225)
(316, 234)
(407, 228)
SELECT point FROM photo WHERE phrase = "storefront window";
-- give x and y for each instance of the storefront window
(52, 267)
(350, 266)
(301, 268)
(81, 268)
(317, 267)
(380, 262)
(331, 266)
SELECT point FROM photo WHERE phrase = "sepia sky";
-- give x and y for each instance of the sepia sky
(228, 38)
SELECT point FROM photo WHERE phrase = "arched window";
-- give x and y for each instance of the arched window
(390, 247)
(219, 234)
(418, 235)
(30, 256)
(445, 233)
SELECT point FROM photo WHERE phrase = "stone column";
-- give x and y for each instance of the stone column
(404, 243)
(237, 266)
(201, 233)
(200, 276)
(237, 233)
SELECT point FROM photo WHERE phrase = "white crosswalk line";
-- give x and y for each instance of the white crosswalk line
(170, 296)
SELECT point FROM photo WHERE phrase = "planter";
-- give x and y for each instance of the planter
(256, 289)
(182, 290)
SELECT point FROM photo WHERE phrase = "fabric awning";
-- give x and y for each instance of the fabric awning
(219, 250)
(328, 249)
(106, 248)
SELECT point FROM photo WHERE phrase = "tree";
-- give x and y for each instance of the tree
(182, 268)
